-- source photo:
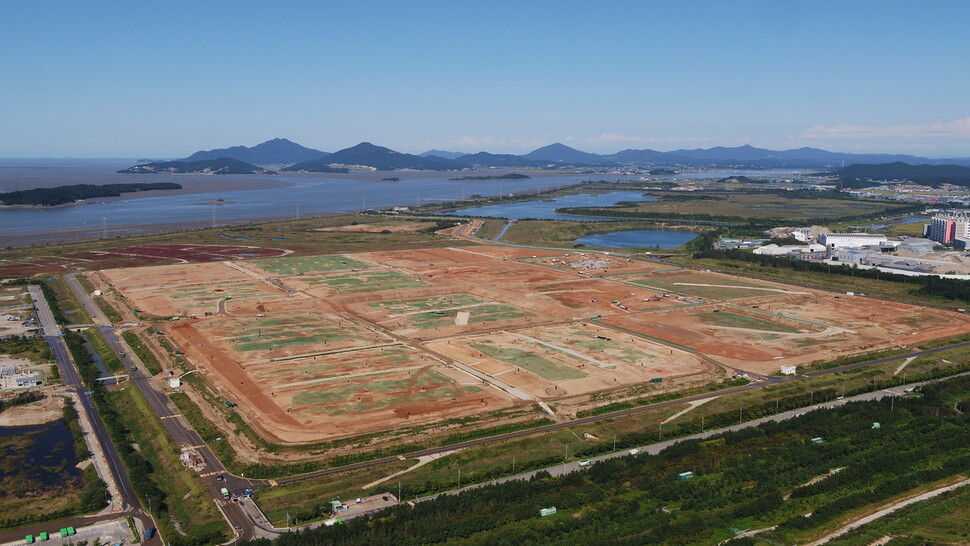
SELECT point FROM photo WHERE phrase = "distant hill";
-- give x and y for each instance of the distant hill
(639, 156)
(222, 165)
(378, 157)
(931, 175)
(443, 154)
(560, 153)
(486, 160)
(278, 151)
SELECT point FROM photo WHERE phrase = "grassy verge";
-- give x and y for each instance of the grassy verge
(68, 304)
(145, 354)
(108, 356)
(106, 308)
(187, 501)
(490, 229)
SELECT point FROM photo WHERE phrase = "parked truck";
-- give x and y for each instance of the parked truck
(225, 493)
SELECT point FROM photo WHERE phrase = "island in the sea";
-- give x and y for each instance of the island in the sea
(222, 165)
(61, 195)
(510, 176)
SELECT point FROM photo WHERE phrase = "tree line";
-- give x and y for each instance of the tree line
(60, 195)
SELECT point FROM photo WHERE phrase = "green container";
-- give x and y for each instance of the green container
(29, 539)
(71, 531)
(657, 380)
(44, 536)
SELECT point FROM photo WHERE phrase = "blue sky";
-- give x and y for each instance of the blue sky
(164, 79)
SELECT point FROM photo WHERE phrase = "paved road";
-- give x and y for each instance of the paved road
(71, 378)
(172, 420)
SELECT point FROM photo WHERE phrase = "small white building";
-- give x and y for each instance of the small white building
(174, 383)
(789, 370)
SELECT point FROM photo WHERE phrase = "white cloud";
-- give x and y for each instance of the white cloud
(948, 129)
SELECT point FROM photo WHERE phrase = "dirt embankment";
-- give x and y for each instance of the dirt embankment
(48, 410)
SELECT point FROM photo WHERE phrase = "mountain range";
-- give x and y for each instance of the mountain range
(299, 158)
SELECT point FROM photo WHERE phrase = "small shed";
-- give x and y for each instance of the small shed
(547, 511)
(817, 440)
(685, 475)
(174, 382)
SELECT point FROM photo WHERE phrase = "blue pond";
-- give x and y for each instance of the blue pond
(38, 456)
(648, 238)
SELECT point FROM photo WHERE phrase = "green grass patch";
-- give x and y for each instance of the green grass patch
(300, 265)
(735, 320)
(534, 363)
(146, 356)
(368, 281)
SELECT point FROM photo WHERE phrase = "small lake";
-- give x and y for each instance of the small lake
(546, 209)
(35, 457)
(904, 220)
(649, 238)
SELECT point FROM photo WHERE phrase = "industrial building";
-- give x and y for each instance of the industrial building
(775, 250)
(834, 241)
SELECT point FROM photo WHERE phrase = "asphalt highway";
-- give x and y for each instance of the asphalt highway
(71, 378)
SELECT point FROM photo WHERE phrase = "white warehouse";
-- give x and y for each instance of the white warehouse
(834, 241)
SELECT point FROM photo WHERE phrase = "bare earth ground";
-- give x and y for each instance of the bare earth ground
(316, 348)
(48, 410)
(412, 227)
